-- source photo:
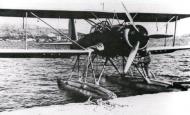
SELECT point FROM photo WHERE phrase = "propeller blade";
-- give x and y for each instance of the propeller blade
(131, 57)
(160, 36)
(129, 17)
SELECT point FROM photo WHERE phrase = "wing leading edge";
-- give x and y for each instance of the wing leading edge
(34, 53)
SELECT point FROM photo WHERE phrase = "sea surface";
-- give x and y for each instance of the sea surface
(29, 82)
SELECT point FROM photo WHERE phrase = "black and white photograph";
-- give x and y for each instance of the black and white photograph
(94, 57)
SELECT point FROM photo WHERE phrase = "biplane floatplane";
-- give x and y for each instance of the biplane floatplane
(126, 40)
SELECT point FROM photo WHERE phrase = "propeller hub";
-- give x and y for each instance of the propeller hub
(132, 36)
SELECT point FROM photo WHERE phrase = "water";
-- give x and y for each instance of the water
(30, 82)
(174, 66)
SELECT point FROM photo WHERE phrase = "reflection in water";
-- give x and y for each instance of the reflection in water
(32, 82)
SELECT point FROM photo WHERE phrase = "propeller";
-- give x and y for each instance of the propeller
(129, 17)
(159, 36)
(131, 56)
(136, 47)
(139, 34)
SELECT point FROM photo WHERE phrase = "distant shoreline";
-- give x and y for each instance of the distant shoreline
(20, 44)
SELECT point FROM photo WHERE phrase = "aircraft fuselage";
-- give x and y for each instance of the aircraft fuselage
(117, 41)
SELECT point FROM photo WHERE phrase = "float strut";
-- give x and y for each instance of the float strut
(98, 82)
(114, 66)
(73, 68)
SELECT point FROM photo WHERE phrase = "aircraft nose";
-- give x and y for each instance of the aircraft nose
(132, 36)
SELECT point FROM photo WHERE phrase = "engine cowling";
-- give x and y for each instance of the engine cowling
(132, 36)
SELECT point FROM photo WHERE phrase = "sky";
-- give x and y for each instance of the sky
(157, 6)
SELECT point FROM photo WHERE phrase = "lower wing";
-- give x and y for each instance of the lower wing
(161, 50)
(60, 43)
(36, 53)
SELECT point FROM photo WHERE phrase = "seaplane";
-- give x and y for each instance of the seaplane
(125, 40)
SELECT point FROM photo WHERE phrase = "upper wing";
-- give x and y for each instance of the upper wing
(161, 50)
(34, 53)
(141, 11)
(139, 17)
